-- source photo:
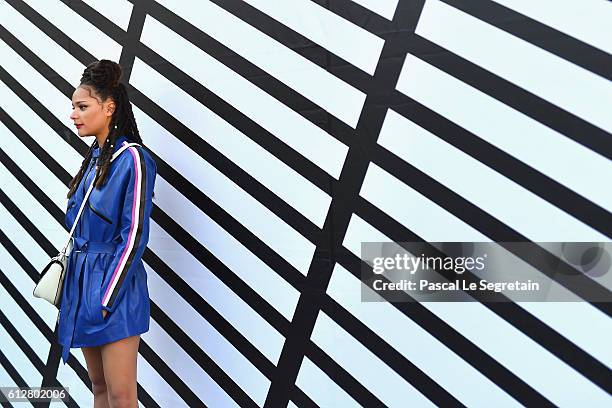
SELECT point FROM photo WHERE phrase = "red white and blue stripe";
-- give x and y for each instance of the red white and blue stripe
(135, 232)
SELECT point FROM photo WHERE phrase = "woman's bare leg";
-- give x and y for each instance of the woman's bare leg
(93, 358)
(119, 364)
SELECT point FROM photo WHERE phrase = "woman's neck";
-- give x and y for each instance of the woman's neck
(101, 139)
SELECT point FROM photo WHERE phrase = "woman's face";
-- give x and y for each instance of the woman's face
(91, 117)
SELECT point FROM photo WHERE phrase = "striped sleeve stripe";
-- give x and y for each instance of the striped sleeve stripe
(133, 241)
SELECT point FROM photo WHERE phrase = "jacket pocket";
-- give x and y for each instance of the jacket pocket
(99, 214)
(95, 301)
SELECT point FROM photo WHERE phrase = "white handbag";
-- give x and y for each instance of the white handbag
(51, 282)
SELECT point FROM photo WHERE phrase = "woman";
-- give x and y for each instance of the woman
(105, 301)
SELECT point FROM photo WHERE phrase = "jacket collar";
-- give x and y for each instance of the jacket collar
(117, 145)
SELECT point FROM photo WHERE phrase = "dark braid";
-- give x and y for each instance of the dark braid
(103, 78)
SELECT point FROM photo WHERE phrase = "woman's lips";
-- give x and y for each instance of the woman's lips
(79, 126)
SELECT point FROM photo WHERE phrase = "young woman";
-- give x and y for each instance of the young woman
(105, 300)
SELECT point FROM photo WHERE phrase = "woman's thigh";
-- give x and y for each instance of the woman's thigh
(119, 363)
(93, 358)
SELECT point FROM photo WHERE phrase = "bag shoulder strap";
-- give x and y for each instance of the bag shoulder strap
(122, 148)
(76, 220)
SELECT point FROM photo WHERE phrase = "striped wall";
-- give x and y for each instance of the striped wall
(288, 132)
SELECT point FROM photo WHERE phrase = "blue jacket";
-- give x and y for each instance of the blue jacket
(104, 268)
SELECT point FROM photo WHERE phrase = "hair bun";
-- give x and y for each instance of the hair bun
(103, 74)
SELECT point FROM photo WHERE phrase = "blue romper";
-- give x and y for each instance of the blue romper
(104, 268)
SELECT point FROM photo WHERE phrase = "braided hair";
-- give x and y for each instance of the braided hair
(102, 79)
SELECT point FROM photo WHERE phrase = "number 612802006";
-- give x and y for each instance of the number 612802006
(33, 394)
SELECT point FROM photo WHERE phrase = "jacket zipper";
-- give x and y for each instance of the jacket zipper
(91, 165)
(99, 214)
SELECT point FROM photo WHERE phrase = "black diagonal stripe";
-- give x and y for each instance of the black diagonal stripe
(538, 108)
(301, 399)
(338, 374)
(539, 34)
(141, 199)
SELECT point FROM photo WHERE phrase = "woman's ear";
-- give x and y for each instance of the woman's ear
(110, 108)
